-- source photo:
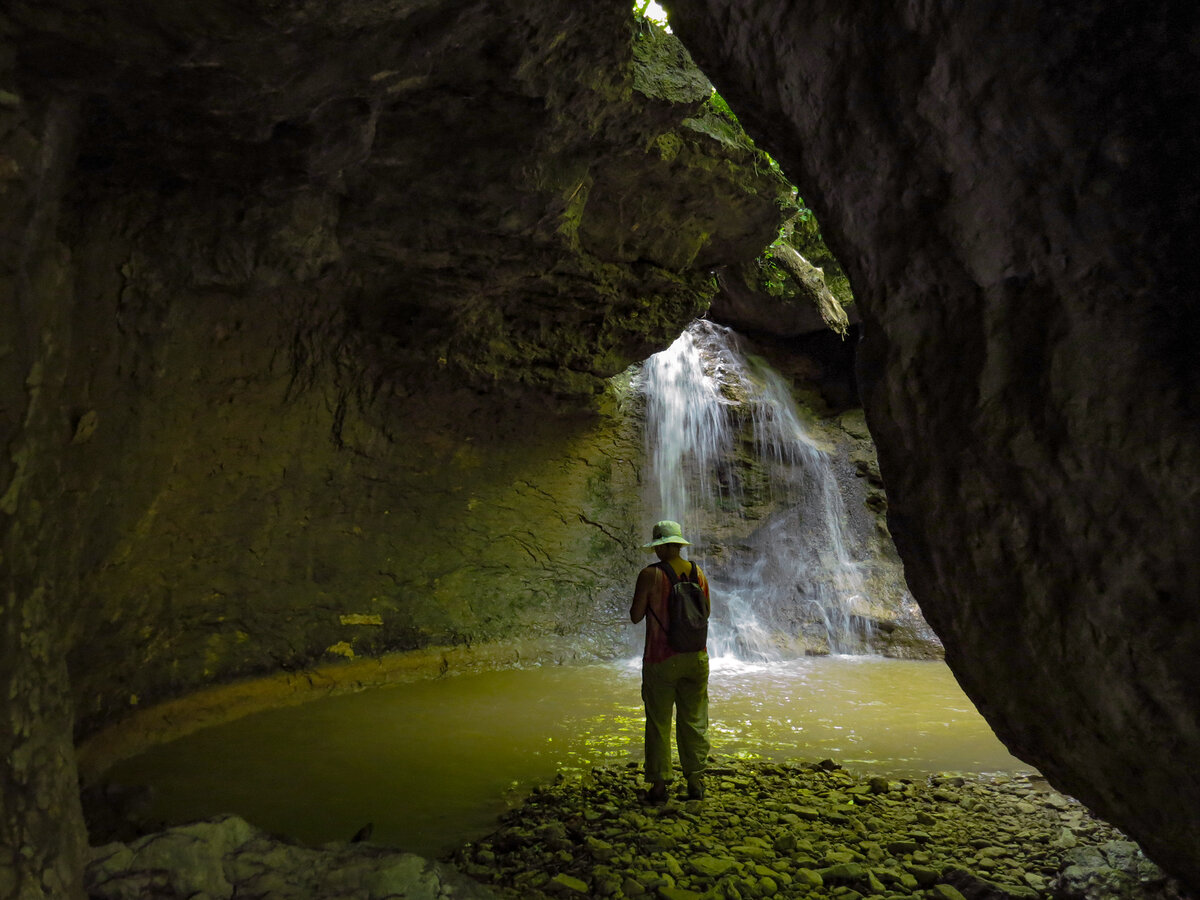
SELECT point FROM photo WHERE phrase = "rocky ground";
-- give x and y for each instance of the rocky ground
(226, 858)
(764, 830)
(811, 830)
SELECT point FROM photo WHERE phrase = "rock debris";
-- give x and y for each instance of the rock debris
(810, 830)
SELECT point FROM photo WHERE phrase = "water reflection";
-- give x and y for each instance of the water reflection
(433, 763)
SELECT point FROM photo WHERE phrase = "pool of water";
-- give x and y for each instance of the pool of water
(432, 764)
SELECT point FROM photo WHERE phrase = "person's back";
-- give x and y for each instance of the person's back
(671, 679)
(658, 609)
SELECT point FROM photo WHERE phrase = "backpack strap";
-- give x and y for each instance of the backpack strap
(673, 580)
(695, 578)
(670, 571)
(676, 579)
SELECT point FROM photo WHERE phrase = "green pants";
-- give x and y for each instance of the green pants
(680, 682)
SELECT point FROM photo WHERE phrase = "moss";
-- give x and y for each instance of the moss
(668, 146)
(664, 70)
(806, 238)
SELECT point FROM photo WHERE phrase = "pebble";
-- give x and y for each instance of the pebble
(811, 831)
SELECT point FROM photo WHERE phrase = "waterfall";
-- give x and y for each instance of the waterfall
(733, 462)
(689, 426)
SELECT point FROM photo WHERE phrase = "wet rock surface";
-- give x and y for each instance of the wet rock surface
(223, 858)
(810, 830)
(787, 520)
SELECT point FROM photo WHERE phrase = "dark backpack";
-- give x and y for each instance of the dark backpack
(687, 612)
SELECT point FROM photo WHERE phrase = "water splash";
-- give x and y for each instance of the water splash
(726, 444)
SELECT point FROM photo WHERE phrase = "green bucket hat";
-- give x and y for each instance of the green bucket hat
(666, 532)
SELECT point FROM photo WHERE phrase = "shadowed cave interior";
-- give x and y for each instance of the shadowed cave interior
(317, 317)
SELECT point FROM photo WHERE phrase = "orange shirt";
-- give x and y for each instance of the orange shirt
(657, 649)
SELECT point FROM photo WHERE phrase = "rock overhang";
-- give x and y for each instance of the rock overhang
(520, 195)
(1007, 189)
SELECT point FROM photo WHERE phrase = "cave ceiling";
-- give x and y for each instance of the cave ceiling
(520, 196)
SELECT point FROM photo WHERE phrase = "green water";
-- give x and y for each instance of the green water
(432, 764)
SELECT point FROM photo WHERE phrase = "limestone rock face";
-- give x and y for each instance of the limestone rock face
(307, 309)
(1012, 190)
(342, 285)
(484, 184)
(43, 836)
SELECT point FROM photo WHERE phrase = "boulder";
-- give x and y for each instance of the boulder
(1010, 190)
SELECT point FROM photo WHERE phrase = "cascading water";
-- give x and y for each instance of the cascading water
(726, 444)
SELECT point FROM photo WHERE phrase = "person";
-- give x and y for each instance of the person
(670, 679)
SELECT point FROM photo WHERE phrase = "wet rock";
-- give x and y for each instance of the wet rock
(842, 873)
(1111, 869)
(805, 877)
(223, 858)
(923, 875)
(745, 840)
(569, 884)
(974, 887)
(711, 867)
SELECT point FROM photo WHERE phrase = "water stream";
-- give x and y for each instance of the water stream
(717, 418)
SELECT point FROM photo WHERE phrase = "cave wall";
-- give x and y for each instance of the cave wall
(340, 359)
(305, 349)
(1012, 190)
(41, 830)
(258, 498)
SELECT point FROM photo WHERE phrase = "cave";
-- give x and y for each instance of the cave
(298, 298)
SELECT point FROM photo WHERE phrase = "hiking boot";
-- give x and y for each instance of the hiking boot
(695, 788)
(657, 792)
